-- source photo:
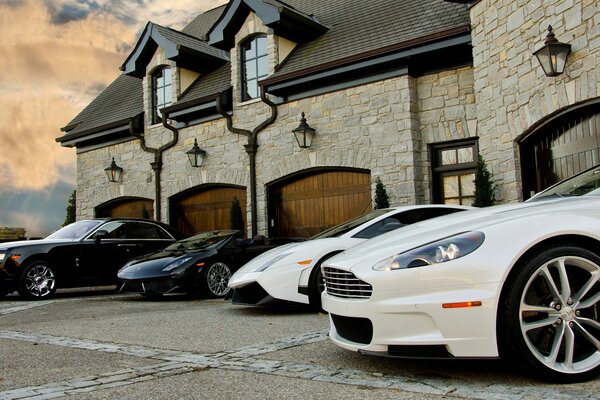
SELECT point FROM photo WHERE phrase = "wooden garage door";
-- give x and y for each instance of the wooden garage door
(206, 209)
(311, 204)
(560, 150)
(127, 208)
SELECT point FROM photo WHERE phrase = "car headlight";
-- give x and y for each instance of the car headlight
(2, 255)
(433, 253)
(176, 263)
(269, 263)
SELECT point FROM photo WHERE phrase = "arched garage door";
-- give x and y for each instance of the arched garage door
(308, 203)
(126, 207)
(205, 208)
(560, 147)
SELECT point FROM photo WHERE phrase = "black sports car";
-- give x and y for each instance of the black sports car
(84, 253)
(201, 263)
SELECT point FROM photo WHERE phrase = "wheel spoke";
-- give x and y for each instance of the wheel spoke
(527, 326)
(558, 339)
(569, 347)
(586, 288)
(537, 309)
(548, 277)
(565, 285)
(589, 302)
(586, 333)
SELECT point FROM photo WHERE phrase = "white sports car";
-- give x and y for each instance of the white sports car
(519, 280)
(288, 274)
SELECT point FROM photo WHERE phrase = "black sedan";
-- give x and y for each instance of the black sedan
(84, 253)
(202, 263)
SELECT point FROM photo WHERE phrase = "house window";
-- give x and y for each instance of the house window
(162, 88)
(454, 165)
(254, 66)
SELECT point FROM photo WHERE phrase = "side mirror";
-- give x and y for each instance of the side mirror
(99, 235)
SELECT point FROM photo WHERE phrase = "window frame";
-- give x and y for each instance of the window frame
(439, 171)
(156, 76)
(244, 47)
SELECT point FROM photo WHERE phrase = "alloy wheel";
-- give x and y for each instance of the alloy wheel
(40, 281)
(217, 279)
(558, 314)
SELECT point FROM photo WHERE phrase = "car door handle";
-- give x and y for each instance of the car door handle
(129, 245)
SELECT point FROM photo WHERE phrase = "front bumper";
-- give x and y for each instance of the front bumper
(414, 323)
(158, 285)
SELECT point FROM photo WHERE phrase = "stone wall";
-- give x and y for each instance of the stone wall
(8, 233)
(511, 91)
(383, 127)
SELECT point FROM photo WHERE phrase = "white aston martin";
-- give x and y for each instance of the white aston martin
(292, 273)
(520, 281)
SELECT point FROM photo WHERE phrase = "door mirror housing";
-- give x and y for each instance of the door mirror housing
(99, 235)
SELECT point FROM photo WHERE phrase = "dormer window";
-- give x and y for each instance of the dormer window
(162, 88)
(254, 66)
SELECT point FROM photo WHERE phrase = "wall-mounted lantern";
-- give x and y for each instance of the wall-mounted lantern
(553, 55)
(196, 155)
(304, 134)
(113, 172)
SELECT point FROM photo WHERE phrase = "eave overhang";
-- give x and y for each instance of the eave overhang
(104, 133)
(186, 51)
(399, 56)
(201, 107)
(284, 20)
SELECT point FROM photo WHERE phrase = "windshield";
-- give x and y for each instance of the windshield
(205, 240)
(347, 226)
(76, 230)
(586, 183)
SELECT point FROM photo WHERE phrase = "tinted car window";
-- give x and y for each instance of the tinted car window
(115, 230)
(141, 230)
(76, 230)
(405, 218)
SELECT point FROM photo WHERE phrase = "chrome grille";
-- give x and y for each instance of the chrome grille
(344, 284)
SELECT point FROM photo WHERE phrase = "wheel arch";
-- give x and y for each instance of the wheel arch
(583, 241)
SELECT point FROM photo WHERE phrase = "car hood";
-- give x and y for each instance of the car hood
(298, 251)
(152, 265)
(429, 231)
(31, 243)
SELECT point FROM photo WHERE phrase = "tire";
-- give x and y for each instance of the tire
(38, 281)
(548, 317)
(316, 284)
(4, 292)
(215, 279)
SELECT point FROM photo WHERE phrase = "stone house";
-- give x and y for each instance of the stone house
(408, 91)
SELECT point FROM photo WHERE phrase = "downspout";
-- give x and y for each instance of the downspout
(251, 149)
(157, 164)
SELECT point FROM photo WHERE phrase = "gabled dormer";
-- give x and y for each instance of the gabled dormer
(284, 20)
(184, 50)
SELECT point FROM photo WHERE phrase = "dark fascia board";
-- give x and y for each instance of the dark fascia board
(283, 84)
(151, 38)
(284, 21)
(199, 107)
(69, 140)
(77, 140)
(434, 41)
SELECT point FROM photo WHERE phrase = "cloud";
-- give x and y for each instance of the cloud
(65, 11)
(55, 57)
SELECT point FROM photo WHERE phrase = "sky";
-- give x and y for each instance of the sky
(55, 57)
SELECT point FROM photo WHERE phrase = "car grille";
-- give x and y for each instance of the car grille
(345, 284)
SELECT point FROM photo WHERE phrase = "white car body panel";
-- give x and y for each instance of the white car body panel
(412, 298)
(283, 279)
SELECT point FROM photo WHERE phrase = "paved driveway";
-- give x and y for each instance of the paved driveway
(98, 345)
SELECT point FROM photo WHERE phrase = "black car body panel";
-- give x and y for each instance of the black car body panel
(149, 274)
(90, 259)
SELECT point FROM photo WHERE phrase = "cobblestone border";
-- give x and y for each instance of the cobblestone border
(174, 362)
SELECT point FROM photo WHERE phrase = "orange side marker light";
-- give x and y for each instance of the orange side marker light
(463, 304)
